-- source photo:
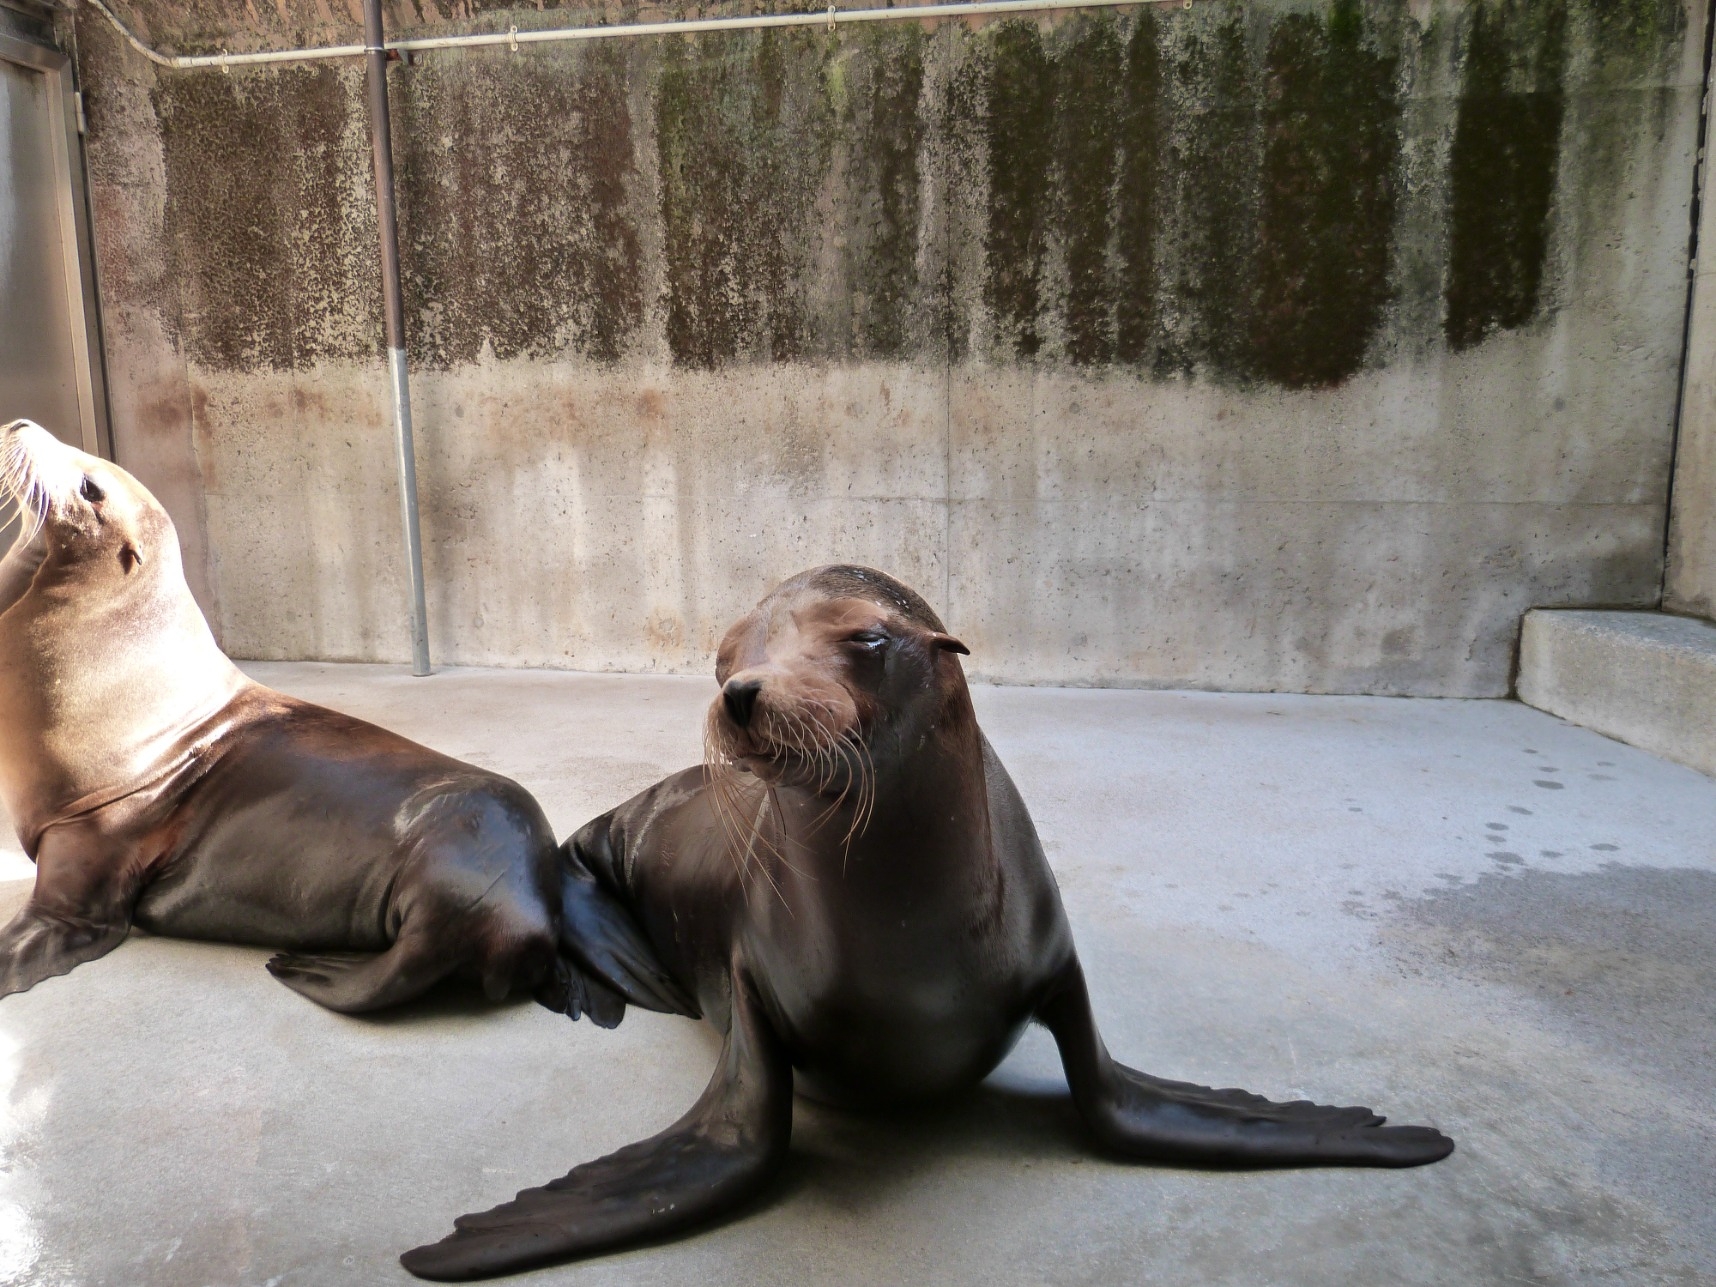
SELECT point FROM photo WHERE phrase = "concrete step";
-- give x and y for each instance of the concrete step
(1645, 678)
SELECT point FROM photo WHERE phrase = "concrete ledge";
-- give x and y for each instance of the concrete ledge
(1646, 678)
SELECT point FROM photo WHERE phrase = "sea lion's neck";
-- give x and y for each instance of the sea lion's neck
(99, 681)
(926, 821)
(18, 569)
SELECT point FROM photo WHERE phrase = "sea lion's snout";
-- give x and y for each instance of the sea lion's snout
(739, 696)
(33, 471)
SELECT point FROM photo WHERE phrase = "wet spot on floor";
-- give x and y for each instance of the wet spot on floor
(1506, 859)
(1496, 826)
(1624, 955)
(1606, 849)
(1550, 853)
(1547, 785)
(1519, 808)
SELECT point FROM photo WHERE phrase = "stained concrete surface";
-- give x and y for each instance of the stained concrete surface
(1265, 345)
(1689, 583)
(1463, 913)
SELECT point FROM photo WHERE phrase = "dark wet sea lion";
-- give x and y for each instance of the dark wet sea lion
(155, 785)
(853, 891)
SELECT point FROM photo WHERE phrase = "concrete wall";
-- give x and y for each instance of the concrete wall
(1267, 345)
(1690, 583)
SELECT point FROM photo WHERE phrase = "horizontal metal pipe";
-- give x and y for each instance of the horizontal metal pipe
(512, 38)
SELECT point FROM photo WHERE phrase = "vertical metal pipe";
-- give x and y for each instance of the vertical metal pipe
(393, 304)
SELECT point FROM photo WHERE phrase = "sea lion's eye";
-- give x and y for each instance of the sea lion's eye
(869, 640)
(90, 492)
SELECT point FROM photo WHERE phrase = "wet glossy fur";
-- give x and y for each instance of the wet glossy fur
(854, 893)
(153, 784)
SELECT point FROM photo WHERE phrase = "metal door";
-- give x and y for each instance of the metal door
(46, 292)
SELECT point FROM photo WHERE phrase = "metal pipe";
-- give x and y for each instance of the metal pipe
(393, 308)
(513, 37)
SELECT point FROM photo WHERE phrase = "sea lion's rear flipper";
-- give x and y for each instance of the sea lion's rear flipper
(355, 982)
(599, 933)
(705, 1164)
(1146, 1117)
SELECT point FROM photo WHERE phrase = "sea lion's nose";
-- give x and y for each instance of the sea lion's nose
(740, 696)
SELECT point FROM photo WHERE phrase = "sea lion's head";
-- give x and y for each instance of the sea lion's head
(105, 658)
(833, 673)
(78, 512)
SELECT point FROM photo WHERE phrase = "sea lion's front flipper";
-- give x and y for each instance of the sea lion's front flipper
(599, 934)
(35, 946)
(79, 910)
(705, 1164)
(1141, 1116)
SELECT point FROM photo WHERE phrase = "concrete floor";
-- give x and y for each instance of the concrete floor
(1463, 913)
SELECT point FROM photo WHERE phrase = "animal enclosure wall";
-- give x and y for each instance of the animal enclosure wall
(1266, 345)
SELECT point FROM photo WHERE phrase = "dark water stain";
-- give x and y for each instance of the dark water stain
(257, 230)
(1088, 88)
(1624, 956)
(523, 243)
(1019, 126)
(1216, 157)
(883, 74)
(744, 128)
(1502, 172)
(1620, 964)
(1331, 124)
(1137, 196)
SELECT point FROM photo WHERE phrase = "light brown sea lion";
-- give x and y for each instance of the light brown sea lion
(853, 891)
(155, 785)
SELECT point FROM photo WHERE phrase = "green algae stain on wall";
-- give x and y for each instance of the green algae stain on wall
(1137, 200)
(1629, 35)
(1215, 158)
(1020, 135)
(1209, 193)
(259, 222)
(1088, 85)
(881, 76)
(1331, 142)
(743, 126)
(1503, 169)
(523, 244)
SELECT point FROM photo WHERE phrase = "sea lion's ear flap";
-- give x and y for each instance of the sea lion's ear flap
(948, 642)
